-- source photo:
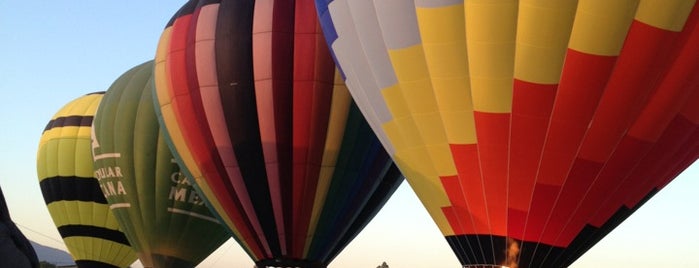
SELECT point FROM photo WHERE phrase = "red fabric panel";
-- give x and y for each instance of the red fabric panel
(313, 84)
(582, 175)
(629, 152)
(516, 220)
(531, 109)
(640, 181)
(647, 53)
(676, 90)
(493, 134)
(272, 64)
(639, 69)
(582, 82)
(470, 181)
(542, 203)
(183, 107)
(453, 218)
(457, 213)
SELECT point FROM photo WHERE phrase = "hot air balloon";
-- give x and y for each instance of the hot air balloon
(73, 195)
(249, 96)
(528, 129)
(15, 248)
(164, 218)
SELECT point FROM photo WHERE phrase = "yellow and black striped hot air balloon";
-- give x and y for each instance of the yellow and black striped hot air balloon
(72, 194)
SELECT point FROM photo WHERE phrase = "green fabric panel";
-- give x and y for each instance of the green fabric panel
(164, 217)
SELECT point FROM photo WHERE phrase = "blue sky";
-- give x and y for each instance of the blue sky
(52, 52)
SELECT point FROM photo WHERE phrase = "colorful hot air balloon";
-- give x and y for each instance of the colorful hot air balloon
(248, 94)
(164, 218)
(528, 129)
(73, 196)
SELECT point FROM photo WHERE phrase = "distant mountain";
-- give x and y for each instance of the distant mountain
(52, 255)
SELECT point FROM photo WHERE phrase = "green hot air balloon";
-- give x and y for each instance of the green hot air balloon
(72, 195)
(164, 218)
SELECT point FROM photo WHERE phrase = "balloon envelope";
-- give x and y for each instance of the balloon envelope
(528, 129)
(248, 94)
(164, 218)
(72, 194)
(15, 248)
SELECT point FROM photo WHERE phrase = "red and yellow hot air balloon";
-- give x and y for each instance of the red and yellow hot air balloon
(252, 104)
(529, 129)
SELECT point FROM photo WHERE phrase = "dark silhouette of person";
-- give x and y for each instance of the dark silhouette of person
(15, 249)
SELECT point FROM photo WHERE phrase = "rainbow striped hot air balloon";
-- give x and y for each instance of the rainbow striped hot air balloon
(252, 103)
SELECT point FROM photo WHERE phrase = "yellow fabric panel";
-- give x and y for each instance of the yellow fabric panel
(83, 151)
(93, 102)
(490, 96)
(339, 110)
(103, 214)
(414, 127)
(443, 34)
(418, 169)
(543, 31)
(113, 253)
(393, 96)
(120, 252)
(441, 24)
(411, 71)
(665, 14)
(67, 146)
(429, 123)
(69, 108)
(407, 129)
(324, 180)
(47, 161)
(51, 134)
(86, 213)
(460, 126)
(600, 26)
(490, 36)
(60, 212)
(427, 187)
(424, 125)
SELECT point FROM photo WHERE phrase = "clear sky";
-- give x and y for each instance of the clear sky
(52, 52)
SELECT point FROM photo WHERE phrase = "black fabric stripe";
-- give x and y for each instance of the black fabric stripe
(234, 64)
(96, 93)
(361, 167)
(72, 189)
(591, 235)
(388, 185)
(93, 264)
(115, 236)
(289, 263)
(186, 9)
(478, 250)
(69, 121)
(536, 255)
